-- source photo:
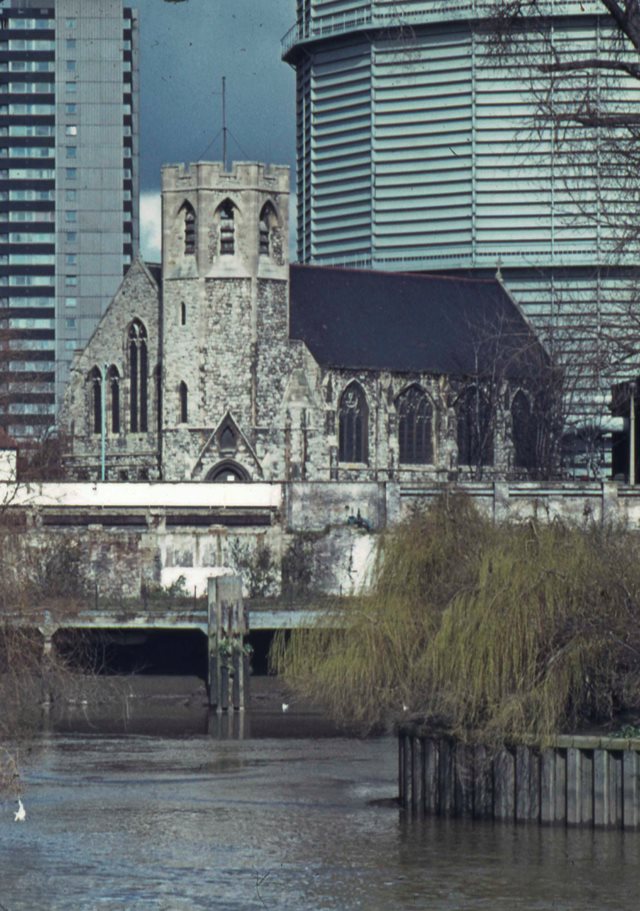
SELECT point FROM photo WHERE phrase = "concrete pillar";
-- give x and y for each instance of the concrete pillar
(226, 620)
(500, 501)
(48, 653)
(610, 504)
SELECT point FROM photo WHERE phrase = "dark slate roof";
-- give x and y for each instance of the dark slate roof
(410, 323)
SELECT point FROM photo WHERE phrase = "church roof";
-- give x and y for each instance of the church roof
(396, 321)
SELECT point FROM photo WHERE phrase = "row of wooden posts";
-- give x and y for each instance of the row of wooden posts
(574, 781)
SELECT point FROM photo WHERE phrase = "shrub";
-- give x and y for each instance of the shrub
(502, 631)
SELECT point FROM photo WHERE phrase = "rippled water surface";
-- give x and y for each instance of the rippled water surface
(288, 821)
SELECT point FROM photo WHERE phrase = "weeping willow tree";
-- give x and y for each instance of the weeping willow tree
(506, 631)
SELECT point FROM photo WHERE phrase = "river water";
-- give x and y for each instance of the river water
(186, 813)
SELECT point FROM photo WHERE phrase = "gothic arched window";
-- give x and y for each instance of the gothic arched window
(415, 421)
(475, 428)
(353, 424)
(525, 432)
(268, 221)
(226, 219)
(138, 377)
(184, 403)
(189, 229)
(95, 378)
(114, 394)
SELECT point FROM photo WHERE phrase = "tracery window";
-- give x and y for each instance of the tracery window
(138, 377)
(353, 425)
(475, 428)
(415, 422)
(525, 432)
(268, 221)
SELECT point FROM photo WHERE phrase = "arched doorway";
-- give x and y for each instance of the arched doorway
(227, 472)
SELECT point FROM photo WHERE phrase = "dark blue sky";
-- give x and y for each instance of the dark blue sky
(185, 49)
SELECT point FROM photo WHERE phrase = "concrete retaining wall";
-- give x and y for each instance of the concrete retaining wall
(579, 781)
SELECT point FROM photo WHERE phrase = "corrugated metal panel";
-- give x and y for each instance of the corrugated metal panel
(422, 144)
(340, 94)
(450, 131)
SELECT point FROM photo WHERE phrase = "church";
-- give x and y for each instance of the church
(226, 363)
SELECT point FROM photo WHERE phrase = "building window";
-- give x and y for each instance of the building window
(184, 411)
(70, 281)
(71, 301)
(114, 395)
(72, 151)
(71, 66)
(189, 229)
(71, 215)
(138, 377)
(525, 432)
(475, 428)
(353, 422)
(415, 422)
(268, 221)
(95, 378)
(70, 87)
(226, 220)
(71, 130)
(71, 173)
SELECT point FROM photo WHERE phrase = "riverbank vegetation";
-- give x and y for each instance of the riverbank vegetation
(31, 676)
(492, 631)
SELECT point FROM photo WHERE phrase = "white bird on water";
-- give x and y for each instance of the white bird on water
(285, 706)
(21, 813)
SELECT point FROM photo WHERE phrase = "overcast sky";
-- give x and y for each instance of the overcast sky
(185, 50)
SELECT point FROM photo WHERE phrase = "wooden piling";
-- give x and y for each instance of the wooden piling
(227, 626)
(575, 781)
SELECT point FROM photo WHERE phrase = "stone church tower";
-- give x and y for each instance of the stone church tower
(224, 315)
